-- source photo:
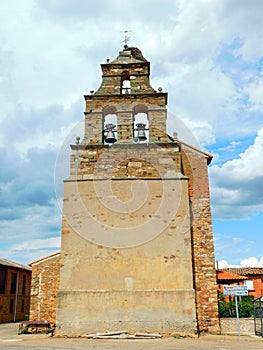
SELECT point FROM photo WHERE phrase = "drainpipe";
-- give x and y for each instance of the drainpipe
(17, 280)
(39, 296)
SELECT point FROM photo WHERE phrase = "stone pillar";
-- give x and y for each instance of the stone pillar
(125, 127)
(157, 125)
(93, 127)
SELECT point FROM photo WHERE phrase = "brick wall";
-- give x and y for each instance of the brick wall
(195, 167)
(45, 283)
(14, 304)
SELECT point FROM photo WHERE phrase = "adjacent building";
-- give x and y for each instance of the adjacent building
(15, 281)
(44, 288)
(252, 278)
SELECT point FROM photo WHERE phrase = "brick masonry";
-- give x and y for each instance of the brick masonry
(15, 306)
(195, 167)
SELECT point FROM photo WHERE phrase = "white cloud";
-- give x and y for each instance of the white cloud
(255, 92)
(36, 244)
(73, 40)
(202, 130)
(50, 55)
(252, 262)
(224, 264)
(235, 185)
(231, 147)
(249, 262)
(33, 234)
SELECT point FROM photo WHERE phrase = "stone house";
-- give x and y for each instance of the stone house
(137, 248)
(15, 280)
(44, 288)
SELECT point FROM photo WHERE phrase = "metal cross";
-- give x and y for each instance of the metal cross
(126, 38)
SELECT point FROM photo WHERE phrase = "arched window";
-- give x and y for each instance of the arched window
(109, 125)
(125, 83)
(140, 123)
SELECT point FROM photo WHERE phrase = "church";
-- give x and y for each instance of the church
(137, 249)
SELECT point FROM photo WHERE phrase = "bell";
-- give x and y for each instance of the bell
(141, 135)
(141, 131)
(110, 137)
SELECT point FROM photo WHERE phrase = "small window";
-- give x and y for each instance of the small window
(2, 279)
(13, 283)
(249, 284)
(11, 306)
(22, 305)
(24, 284)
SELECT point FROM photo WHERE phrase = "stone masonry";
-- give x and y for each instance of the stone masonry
(44, 287)
(137, 246)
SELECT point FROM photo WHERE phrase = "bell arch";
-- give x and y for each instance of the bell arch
(109, 125)
(140, 123)
(125, 82)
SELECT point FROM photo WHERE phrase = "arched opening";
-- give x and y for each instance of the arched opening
(140, 124)
(110, 133)
(125, 83)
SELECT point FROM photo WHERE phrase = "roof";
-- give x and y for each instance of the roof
(227, 276)
(14, 264)
(245, 271)
(193, 148)
(129, 55)
(135, 52)
(51, 256)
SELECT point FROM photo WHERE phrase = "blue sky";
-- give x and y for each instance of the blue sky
(208, 56)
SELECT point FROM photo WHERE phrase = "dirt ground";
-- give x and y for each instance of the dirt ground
(10, 339)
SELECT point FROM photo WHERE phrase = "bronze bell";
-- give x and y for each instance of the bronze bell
(141, 131)
(141, 135)
(110, 136)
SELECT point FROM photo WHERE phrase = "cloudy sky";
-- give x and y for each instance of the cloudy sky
(208, 56)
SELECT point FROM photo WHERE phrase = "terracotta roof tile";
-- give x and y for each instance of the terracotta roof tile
(245, 271)
(226, 275)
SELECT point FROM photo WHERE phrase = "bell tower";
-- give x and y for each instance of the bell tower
(126, 92)
(127, 252)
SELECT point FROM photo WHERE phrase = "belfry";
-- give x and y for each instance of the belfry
(137, 246)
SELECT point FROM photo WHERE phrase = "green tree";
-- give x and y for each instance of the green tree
(228, 309)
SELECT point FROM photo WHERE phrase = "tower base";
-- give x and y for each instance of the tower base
(154, 311)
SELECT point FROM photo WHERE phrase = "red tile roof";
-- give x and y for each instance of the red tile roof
(245, 271)
(226, 276)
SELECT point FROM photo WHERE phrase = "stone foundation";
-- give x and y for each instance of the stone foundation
(166, 311)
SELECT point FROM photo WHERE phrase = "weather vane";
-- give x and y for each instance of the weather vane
(126, 38)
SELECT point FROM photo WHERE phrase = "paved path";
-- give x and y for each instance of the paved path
(9, 339)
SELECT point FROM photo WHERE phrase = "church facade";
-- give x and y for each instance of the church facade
(137, 245)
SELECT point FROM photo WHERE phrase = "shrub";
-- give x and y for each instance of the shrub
(228, 309)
